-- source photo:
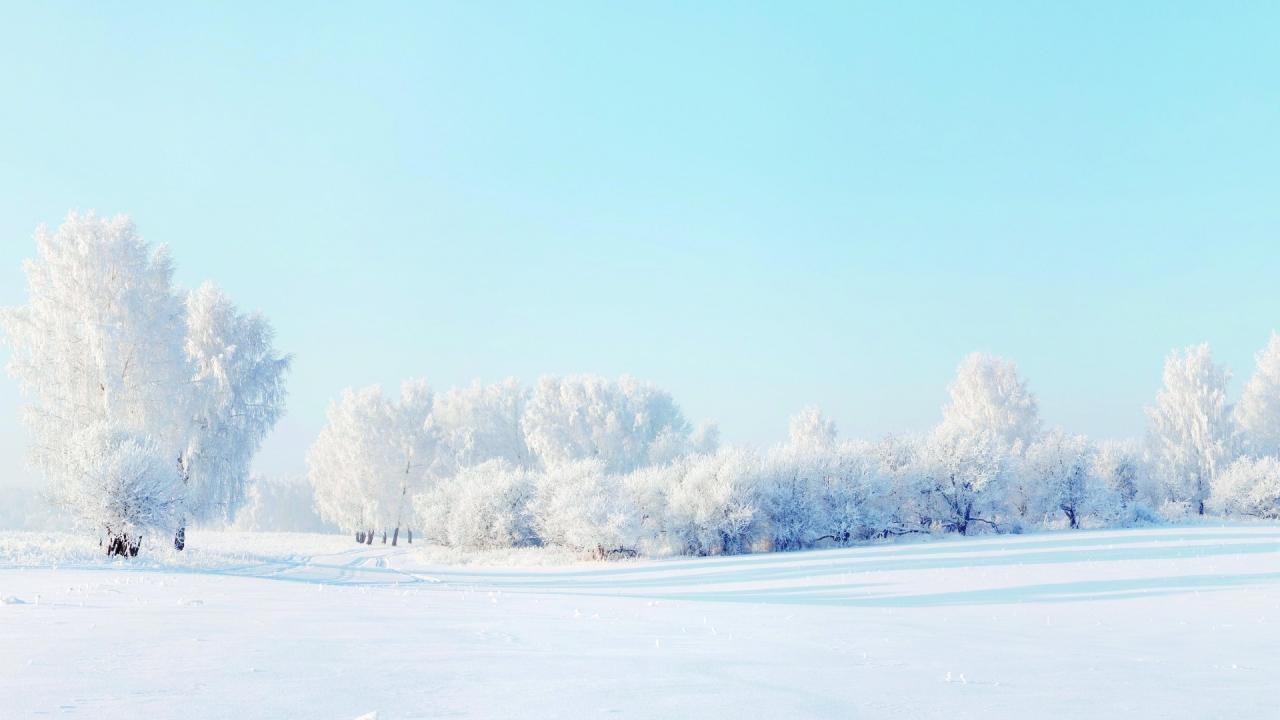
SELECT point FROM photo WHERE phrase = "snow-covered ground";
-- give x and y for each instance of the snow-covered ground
(1167, 622)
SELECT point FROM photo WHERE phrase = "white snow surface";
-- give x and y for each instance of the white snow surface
(1162, 622)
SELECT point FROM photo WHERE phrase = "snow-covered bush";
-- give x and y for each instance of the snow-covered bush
(486, 506)
(714, 505)
(1250, 487)
(791, 488)
(579, 505)
(121, 485)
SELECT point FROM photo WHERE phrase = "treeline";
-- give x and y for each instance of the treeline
(613, 467)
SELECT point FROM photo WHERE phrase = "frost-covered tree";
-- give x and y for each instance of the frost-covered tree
(811, 430)
(1250, 487)
(372, 458)
(1258, 412)
(578, 505)
(1190, 426)
(105, 341)
(1058, 466)
(989, 396)
(792, 488)
(713, 506)
(237, 397)
(483, 507)
(586, 417)
(480, 423)
(962, 476)
(1120, 468)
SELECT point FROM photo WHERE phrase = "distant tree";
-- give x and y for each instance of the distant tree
(1190, 426)
(811, 430)
(616, 422)
(988, 396)
(371, 459)
(1120, 467)
(1258, 412)
(479, 423)
(281, 505)
(1058, 465)
(962, 475)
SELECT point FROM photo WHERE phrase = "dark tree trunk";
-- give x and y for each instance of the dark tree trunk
(359, 537)
(368, 538)
(384, 537)
(394, 537)
(410, 531)
(123, 545)
(180, 538)
(1201, 507)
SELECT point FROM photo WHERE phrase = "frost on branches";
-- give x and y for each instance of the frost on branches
(145, 404)
(612, 467)
(1191, 430)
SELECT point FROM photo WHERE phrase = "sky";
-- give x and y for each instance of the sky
(758, 206)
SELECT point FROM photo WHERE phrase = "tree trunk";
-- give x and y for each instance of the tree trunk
(180, 538)
(1201, 507)
(368, 538)
(384, 537)
(394, 537)
(123, 545)
(359, 537)
(410, 531)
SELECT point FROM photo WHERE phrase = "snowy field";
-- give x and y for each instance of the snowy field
(1168, 622)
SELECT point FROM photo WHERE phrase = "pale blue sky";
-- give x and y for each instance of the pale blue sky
(758, 206)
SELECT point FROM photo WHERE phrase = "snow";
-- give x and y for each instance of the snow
(1161, 622)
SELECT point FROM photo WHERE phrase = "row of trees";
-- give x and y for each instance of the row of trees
(613, 466)
(146, 403)
(378, 456)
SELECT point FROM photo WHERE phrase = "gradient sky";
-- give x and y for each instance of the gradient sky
(758, 206)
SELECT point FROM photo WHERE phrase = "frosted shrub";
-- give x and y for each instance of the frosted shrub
(488, 507)
(1250, 487)
(714, 505)
(791, 486)
(580, 506)
(122, 485)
